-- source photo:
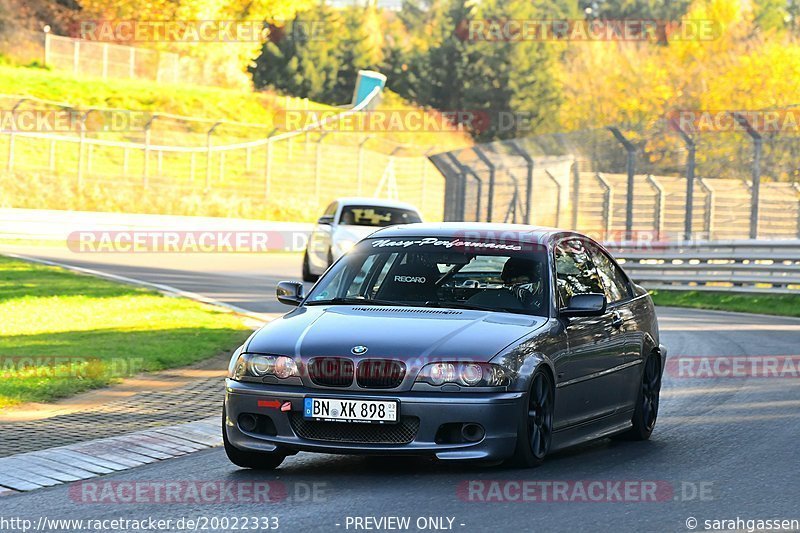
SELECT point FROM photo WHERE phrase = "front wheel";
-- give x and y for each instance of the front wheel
(535, 431)
(307, 275)
(646, 411)
(254, 460)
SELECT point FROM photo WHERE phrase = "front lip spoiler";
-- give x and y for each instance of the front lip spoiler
(289, 392)
(497, 412)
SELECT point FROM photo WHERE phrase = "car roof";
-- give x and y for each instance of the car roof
(487, 230)
(377, 202)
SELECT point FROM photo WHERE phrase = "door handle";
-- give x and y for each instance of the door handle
(617, 320)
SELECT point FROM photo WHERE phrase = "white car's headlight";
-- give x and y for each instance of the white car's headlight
(466, 374)
(259, 366)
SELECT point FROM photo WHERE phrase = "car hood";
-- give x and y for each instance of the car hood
(392, 332)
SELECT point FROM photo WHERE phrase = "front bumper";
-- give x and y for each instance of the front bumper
(498, 413)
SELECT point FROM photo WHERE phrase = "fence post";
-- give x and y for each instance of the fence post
(631, 167)
(209, 133)
(608, 204)
(660, 203)
(268, 165)
(12, 136)
(558, 196)
(462, 198)
(46, 30)
(82, 126)
(709, 207)
(576, 183)
(360, 164)
(146, 162)
(690, 165)
(528, 181)
(490, 196)
(756, 172)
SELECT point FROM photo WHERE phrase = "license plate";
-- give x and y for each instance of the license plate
(367, 411)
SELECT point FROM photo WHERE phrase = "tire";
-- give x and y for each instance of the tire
(254, 460)
(535, 430)
(646, 412)
(307, 275)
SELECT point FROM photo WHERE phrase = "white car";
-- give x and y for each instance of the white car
(345, 222)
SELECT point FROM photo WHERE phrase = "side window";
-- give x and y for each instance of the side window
(331, 209)
(575, 271)
(613, 279)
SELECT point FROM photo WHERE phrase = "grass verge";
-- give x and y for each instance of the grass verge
(64, 333)
(766, 304)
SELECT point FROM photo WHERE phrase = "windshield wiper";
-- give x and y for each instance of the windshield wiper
(355, 301)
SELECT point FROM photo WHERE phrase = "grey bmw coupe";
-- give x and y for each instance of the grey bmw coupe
(461, 341)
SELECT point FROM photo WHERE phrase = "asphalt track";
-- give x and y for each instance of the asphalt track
(724, 447)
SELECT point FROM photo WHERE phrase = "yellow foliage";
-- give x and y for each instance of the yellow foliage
(637, 83)
(226, 61)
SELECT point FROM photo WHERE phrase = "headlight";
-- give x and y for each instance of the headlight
(285, 367)
(259, 366)
(465, 374)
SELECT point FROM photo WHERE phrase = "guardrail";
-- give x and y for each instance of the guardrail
(731, 266)
(735, 266)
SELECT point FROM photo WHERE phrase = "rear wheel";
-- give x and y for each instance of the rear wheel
(535, 431)
(244, 459)
(307, 275)
(646, 411)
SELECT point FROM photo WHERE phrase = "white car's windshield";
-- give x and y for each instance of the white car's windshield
(376, 216)
(490, 277)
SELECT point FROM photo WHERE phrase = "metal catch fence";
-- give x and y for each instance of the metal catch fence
(615, 183)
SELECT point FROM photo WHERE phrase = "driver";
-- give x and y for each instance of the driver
(522, 286)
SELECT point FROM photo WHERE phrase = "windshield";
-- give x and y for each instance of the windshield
(376, 216)
(422, 273)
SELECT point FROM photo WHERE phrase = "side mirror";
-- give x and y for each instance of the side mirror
(325, 220)
(290, 292)
(590, 304)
